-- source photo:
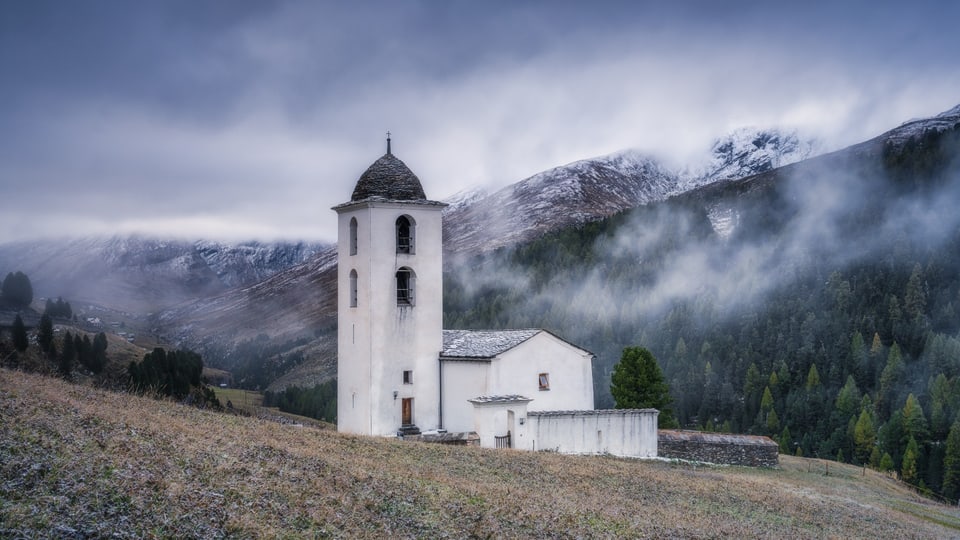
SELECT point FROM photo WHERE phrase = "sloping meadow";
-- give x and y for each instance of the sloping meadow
(79, 462)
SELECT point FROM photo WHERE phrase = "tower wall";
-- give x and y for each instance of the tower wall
(379, 340)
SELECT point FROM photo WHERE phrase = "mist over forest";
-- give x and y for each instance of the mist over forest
(829, 291)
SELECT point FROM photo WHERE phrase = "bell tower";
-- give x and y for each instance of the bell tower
(389, 303)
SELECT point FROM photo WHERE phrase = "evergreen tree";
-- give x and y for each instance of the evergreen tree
(17, 290)
(69, 346)
(886, 462)
(638, 383)
(939, 407)
(876, 346)
(751, 388)
(914, 422)
(848, 399)
(951, 463)
(45, 333)
(766, 402)
(861, 360)
(84, 351)
(99, 354)
(63, 309)
(64, 363)
(908, 471)
(785, 441)
(864, 437)
(891, 439)
(891, 375)
(813, 378)
(773, 422)
(171, 373)
(67, 357)
(19, 330)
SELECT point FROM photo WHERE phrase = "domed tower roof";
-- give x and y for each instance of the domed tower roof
(388, 178)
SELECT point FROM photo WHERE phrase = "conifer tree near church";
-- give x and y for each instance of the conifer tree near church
(638, 383)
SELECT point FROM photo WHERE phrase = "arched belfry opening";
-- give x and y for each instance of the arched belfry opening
(353, 236)
(406, 282)
(406, 235)
(353, 288)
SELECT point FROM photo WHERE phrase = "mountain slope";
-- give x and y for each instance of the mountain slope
(575, 193)
(78, 462)
(595, 188)
(139, 274)
(296, 306)
(723, 215)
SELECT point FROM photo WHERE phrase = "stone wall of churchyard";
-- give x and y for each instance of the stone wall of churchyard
(722, 448)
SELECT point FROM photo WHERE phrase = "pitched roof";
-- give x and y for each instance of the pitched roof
(389, 179)
(483, 343)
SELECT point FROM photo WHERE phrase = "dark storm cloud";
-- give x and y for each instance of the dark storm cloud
(251, 119)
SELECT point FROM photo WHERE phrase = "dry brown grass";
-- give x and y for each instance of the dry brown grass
(79, 461)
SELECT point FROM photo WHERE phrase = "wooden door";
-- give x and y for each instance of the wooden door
(407, 412)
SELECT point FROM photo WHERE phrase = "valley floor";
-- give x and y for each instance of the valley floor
(79, 462)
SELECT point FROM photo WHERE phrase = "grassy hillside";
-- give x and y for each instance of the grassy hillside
(77, 461)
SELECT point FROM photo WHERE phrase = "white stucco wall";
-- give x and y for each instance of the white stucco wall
(619, 432)
(378, 340)
(570, 372)
(498, 418)
(462, 380)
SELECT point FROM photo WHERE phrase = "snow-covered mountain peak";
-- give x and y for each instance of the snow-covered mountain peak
(749, 150)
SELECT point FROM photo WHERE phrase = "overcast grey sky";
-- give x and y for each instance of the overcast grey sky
(242, 120)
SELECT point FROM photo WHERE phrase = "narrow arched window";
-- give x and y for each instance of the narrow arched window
(406, 281)
(353, 288)
(406, 229)
(353, 236)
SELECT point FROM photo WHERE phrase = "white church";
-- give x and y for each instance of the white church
(400, 373)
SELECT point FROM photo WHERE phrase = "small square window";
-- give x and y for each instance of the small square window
(544, 381)
(408, 377)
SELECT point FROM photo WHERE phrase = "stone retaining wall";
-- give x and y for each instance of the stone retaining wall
(722, 448)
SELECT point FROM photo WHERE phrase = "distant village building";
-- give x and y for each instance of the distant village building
(400, 373)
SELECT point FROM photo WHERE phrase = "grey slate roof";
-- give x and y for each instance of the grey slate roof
(389, 179)
(483, 343)
(512, 398)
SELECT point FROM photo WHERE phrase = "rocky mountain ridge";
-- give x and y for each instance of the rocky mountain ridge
(595, 188)
(141, 274)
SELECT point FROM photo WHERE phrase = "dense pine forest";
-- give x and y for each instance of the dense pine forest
(826, 317)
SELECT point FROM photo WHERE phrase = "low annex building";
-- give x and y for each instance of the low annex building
(400, 373)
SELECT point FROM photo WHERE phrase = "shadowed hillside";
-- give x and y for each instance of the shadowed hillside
(78, 462)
